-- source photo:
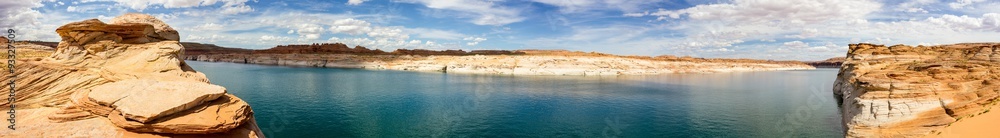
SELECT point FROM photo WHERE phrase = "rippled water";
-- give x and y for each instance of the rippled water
(321, 102)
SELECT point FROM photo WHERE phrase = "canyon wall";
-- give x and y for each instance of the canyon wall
(122, 79)
(504, 64)
(921, 91)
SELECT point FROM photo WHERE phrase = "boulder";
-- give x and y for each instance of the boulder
(162, 30)
(132, 97)
(219, 115)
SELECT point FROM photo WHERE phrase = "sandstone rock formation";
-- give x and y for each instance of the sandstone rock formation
(502, 62)
(906, 91)
(191, 48)
(828, 63)
(124, 79)
(506, 64)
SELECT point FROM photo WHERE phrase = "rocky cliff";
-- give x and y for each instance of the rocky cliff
(922, 91)
(828, 63)
(506, 64)
(502, 62)
(123, 79)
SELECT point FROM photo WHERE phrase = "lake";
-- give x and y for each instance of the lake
(324, 102)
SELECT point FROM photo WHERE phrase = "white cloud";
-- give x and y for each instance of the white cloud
(355, 2)
(794, 12)
(428, 33)
(959, 4)
(235, 9)
(482, 12)
(143, 4)
(391, 33)
(915, 6)
(637, 14)
(207, 38)
(350, 26)
(473, 40)
(209, 26)
(576, 6)
(989, 21)
(274, 38)
(806, 33)
(309, 31)
(19, 13)
(613, 34)
(389, 45)
(796, 44)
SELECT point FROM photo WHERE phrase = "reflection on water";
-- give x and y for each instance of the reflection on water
(318, 102)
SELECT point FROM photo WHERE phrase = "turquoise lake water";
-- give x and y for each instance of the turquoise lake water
(323, 102)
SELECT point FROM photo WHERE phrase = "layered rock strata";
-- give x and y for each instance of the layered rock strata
(907, 91)
(124, 79)
(502, 64)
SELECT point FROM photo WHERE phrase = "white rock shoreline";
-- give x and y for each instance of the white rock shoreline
(501, 64)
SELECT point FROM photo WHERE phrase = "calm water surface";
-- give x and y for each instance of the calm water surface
(321, 102)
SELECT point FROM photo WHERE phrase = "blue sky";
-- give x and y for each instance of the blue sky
(759, 29)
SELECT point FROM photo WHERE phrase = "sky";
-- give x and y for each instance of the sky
(756, 29)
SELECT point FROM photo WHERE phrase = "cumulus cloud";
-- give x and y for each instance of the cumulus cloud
(915, 6)
(796, 44)
(989, 21)
(389, 45)
(473, 40)
(575, 6)
(309, 31)
(143, 4)
(227, 6)
(391, 33)
(482, 12)
(776, 11)
(274, 38)
(350, 26)
(209, 26)
(19, 13)
(355, 2)
(236, 9)
(960, 4)
(434, 33)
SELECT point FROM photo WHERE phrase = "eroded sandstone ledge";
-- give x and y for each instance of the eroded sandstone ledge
(907, 91)
(123, 79)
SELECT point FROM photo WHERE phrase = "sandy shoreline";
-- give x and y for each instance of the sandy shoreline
(503, 64)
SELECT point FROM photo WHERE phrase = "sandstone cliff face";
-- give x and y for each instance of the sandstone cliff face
(905, 91)
(124, 79)
(503, 64)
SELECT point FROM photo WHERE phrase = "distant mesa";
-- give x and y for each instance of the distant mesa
(828, 63)
(499, 62)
